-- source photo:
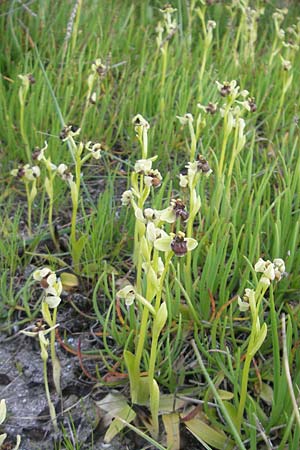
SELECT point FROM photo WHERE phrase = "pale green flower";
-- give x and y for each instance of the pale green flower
(187, 118)
(27, 172)
(183, 180)
(228, 88)
(126, 197)
(51, 284)
(95, 149)
(128, 294)
(243, 306)
(144, 165)
(139, 121)
(178, 243)
(153, 232)
(211, 24)
(64, 172)
(279, 267)
(40, 155)
(153, 178)
(39, 274)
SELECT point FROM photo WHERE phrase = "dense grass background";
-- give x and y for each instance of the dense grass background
(254, 213)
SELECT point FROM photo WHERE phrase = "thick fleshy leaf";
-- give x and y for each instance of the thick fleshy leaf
(225, 395)
(117, 425)
(134, 380)
(168, 403)
(266, 393)
(171, 423)
(232, 412)
(154, 406)
(69, 281)
(208, 434)
(56, 374)
(115, 405)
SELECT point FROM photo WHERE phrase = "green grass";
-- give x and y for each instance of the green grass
(250, 213)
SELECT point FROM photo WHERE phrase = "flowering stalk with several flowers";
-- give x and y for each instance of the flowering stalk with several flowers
(52, 289)
(252, 299)
(150, 238)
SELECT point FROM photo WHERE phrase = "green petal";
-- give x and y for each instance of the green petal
(163, 244)
(53, 301)
(191, 243)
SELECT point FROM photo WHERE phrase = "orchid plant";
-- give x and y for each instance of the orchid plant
(252, 300)
(52, 289)
(152, 270)
(29, 175)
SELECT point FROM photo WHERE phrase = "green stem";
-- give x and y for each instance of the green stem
(55, 360)
(223, 150)
(22, 130)
(193, 142)
(244, 386)
(75, 204)
(50, 404)
(151, 370)
(203, 65)
(51, 227)
(29, 208)
(163, 78)
(141, 341)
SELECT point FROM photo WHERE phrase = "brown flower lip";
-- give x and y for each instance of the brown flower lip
(202, 164)
(225, 90)
(31, 78)
(44, 283)
(211, 108)
(179, 209)
(21, 172)
(179, 246)
(35, 153)
(252, 104)
(66, 130)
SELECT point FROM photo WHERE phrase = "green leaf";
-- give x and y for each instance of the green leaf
(160, 319)
(77, 248)
(204, 432)
(69, 281)
(126, 413)
(154, 405)
(46, 314)
(232, 412)
(168, 403)
(134, 380)
(56, 369)
(267, 394)
(225, 395)
(259, 339)
(171, 423)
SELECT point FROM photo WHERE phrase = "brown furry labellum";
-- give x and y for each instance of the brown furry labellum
(179, 246)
